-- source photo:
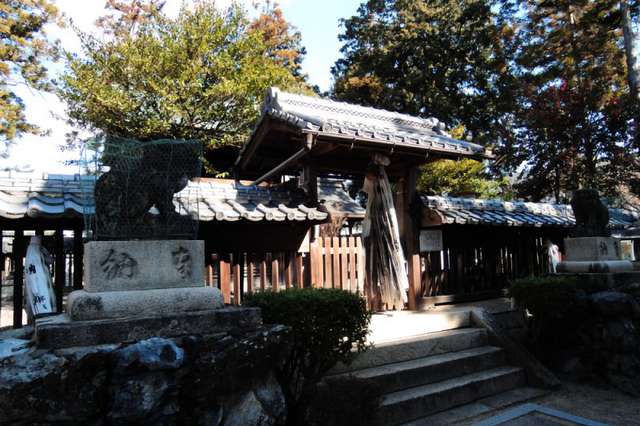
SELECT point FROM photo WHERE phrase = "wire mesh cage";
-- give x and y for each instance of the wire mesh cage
(143, 189)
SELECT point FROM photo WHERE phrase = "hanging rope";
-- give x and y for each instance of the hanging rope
(387, 281)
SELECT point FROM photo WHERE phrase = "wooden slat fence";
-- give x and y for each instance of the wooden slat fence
(479, 262)
(330, 263)
(337, 263)
(236, 274)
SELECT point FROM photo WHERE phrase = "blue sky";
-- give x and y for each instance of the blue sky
(318, 22)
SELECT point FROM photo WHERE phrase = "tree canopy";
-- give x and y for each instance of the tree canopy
(202, 75)
(442, 58)
(461, 178)
(544, 82)
(23, 49)
(574, 105)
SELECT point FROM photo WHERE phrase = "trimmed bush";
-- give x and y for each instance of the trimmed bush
(327, 326)
(559, 306)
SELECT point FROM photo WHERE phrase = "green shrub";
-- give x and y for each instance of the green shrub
(558, 307)
(327, 326)
(344, 401)
(545, 297)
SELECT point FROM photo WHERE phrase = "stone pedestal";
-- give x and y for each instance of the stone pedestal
(593, 255)
(136, 289)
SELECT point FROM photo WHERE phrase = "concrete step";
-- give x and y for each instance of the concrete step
(481, 408)
(420, 401)
(435, 368)
(416, 347)
(396, 325)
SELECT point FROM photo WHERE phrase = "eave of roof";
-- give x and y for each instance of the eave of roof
(71, 196)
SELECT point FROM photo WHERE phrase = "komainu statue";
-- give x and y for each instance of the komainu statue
(592, 216)
(141, 176)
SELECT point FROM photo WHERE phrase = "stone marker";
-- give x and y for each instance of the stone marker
(143, 265)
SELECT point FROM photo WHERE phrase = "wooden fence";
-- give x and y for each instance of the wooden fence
(477, 262)
(337, 262)
(329, 263)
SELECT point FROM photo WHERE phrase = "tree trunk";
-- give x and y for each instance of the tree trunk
(633, 72)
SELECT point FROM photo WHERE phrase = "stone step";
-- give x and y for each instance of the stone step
(396, 325)
(420, 401)
(481, 408)
(435, 368)
(416, 347)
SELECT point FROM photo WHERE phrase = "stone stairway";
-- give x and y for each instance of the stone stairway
(438, 377)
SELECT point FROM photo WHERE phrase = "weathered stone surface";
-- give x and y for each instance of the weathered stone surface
(143, 265)
(11, 347)
(264, 406)
(139, 396)
(205, 379)
(60, 332)
(592, 248)
(83, 305)
(271, 397)
(596, 266)
(614, 304)
(155, 353)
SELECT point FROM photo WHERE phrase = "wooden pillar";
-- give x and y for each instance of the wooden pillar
(409, 234)
(250, 273)
(275, 273)
(299, 270)
(59, 268)
(18, 277)
(237, 278)
(225, 278)
(78, 252)
(263, 272)
(288, 269)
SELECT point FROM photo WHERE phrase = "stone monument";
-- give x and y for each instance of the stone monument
(144, 272)
(590, 248)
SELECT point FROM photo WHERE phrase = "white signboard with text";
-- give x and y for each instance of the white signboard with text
(431, 240)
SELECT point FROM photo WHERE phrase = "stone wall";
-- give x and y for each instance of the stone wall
(220, 379)
(598, 337)
(607, 342)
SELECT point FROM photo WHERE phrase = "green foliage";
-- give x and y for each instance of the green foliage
(557, 304)
(461, 178)
(344, 402)
(545, 297)
(23, 48)
(574, 108)
(282, 40)
(443, 58)
(327, 326)
(199, 76)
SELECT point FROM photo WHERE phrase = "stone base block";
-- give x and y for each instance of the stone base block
(608, 266)
(60, 331)
(592, 249)
(143, 265)
(82, 305)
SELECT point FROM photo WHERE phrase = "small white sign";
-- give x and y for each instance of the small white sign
(431, 240)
